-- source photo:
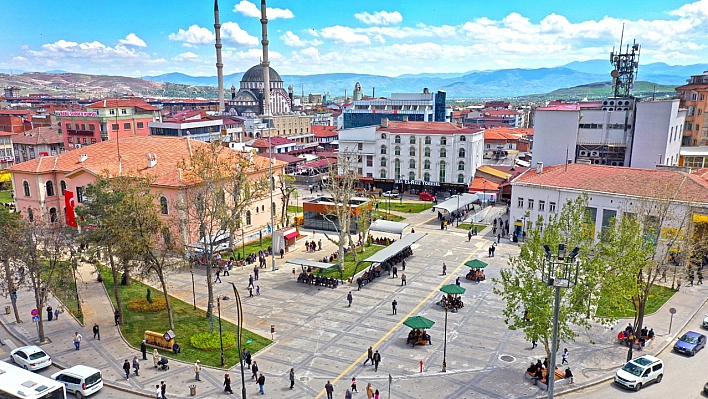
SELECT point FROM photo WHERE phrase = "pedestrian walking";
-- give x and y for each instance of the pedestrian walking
(348, 394)
(228, 267)
(136, 365)
(155, 357)
(444, 269)
(369, 356)
(395, 271)
(369, 391)
(197, 370)
(403, 264)
(498, 238)
(350, 299)
(50, 313)
(565, 356)
(258, 290)
(158, 391)
(699, 274)
(77, 341)
(163, 389)
(377, 360)
(255, 272)
(394, 305)
(143, 350)
(292, 378)
(126, 369)
(403, 279)
(319, 244)
(282, 253)
(254, 370)
(354, 385)
(227, 383)
(56, 313)
(217, 279)
(250, 279)
(534, 343)
(457, 280)
(329, 389)
(261, 383)
(116, 316)
(248, 359)
(96, 331)
(250, 290)
(376, 394)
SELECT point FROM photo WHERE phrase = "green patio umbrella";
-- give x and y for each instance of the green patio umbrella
(453, 289)
(419, 322)
(476, 264)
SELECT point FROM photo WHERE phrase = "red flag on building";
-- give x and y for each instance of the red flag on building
(69, 204)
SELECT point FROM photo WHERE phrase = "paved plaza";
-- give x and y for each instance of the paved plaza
(323, 339)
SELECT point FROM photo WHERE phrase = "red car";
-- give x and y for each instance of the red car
(426, 196)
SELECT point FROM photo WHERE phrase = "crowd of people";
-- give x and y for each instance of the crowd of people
(308, 277)
(539, 371)
(627, 336)
(476, 275)
(416, 335)
(451, 302)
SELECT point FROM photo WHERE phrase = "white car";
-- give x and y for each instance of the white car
(80, 380)
(640, 371)
(705, 321)
(389, 194)
(31, 357)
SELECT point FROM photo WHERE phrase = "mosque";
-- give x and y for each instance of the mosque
(248, 101)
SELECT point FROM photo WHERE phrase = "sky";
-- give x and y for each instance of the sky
(383, 37)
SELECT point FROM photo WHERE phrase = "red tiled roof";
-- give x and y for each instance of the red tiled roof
(504, 133)
(636, 182)
(480, 184)
(426, 128)
(275, 140)
(318, 163)
(16, 112)
(38, 136)
(324, 131)
(283, 157)
(123, 102)
(560, 107)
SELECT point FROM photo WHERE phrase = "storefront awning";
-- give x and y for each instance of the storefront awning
(456, 203)
(388, 226)
(292, 234)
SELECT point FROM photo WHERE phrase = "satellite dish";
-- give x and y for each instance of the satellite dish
(614, 73)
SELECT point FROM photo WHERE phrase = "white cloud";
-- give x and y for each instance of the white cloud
(195, 34)
(188, 56)
(344, 35)
(133, 40)
(249, 9)
(380, 18)
(234, 34)
(313, 32)
(293, 40)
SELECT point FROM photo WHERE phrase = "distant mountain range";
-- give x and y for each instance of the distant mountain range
(503, 83)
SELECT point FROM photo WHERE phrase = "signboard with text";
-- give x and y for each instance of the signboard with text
(75, 113)
(418, 183)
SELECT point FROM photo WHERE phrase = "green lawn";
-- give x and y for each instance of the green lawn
(65, 288)
(350, 264)
(385, 216)
(406, 207)
(187, 323)
(467, 226)
(658, 295)
(294, 209)
(5, 196)
(253, 247)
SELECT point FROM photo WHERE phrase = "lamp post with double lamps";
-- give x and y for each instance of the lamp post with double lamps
(560, 270)
(239, 325)
(221, 338)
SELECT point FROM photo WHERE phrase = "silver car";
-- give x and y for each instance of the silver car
(31, 357)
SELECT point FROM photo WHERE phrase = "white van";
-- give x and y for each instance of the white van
(80, 380)
(640, 371)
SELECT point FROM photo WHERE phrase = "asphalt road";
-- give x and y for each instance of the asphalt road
(684, 376)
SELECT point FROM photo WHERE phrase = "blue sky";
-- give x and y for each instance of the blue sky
(136, 38)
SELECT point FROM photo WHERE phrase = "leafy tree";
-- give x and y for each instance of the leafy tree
(287, 189)
(529, 300)
(11, 224)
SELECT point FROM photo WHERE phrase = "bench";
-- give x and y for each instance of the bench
(420, 341)
(559, 379)
(159, 341)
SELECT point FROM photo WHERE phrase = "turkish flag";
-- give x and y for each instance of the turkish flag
(69, 203)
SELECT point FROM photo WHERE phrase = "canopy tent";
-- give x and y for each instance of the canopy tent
(459, 202)
(393, 249)
(476, 264)
(388, 226)
(310, 263)
(453, 289)
(418, 322)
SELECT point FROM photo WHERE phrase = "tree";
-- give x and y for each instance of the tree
(529, 300)
(287, 189)
(11, 224)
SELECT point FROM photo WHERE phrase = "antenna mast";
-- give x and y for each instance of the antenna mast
(626, 67)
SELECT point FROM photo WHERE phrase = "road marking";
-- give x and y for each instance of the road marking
(415, 309)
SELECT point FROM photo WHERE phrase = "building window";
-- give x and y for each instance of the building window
(360, 146)
(463, 138)
(369, 161)
(411, 175)
(383, 162)
(163, 205)
(126, 126)
(427, 152)
(461, 165)
(248, 218)
(443, 153)
(443, 140)
(383, 149)
(520, 202)
(93, 140)
(79, 194)
(140, 125)
(551, 206)
(411, 151)
(68, 126)
(426, 164)
(62, 185)
(123, 111)
(383, 173)
(112, 112)
(397, 150)
(383, 136)
(114, 126)
(50, 188)
(411, 164)
(541, 205)
(427, 140)
(411, 140)
(53, 215)
(25, 186)
(397, 168)
(30, 214)
(443, 165)
(426, 176)
(530, 203)
(461, 178)
(461, 153)
(70, 140)
(397, 139)
(92, 128)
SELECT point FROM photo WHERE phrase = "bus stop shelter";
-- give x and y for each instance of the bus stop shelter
(391, 251)
(457, 203)
(388, 226)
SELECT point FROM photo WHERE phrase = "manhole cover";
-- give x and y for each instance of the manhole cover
(507, 358)
(304, 379)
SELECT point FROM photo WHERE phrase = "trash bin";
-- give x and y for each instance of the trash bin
(192, 390)
(7, 310)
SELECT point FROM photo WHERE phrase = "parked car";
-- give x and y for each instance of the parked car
(80, 380)
(31, 357)
(705, 321)
(690, 343)
(390, 194)
(426, 196)
(640, 371)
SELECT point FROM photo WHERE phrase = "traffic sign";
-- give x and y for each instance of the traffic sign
(35, 312)
(35, 319)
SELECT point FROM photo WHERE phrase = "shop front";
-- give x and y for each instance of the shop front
(415, 187)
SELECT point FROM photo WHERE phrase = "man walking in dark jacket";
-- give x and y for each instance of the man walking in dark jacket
(350, 298)
(377, 360)
(329, 389)
(261, 383)
(143, 349)
(369, 356)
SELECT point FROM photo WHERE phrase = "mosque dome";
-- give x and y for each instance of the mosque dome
(255, 74)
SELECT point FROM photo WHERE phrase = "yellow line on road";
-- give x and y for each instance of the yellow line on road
(415, 309)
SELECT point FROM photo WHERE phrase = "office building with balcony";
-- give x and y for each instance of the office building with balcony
(414, 107)
(694, 97)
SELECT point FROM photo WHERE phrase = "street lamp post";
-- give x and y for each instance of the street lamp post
(239, 322)
(194, 292)
(221, 338)
(458, 208)
(444, 365)
(560, 270)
